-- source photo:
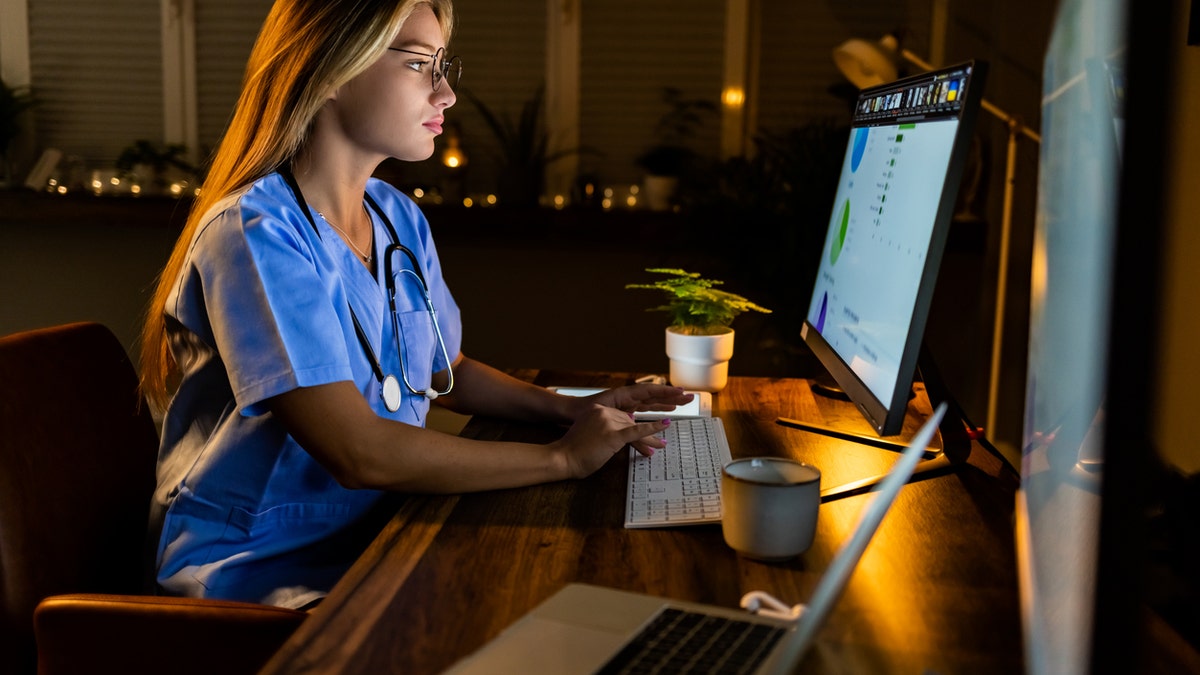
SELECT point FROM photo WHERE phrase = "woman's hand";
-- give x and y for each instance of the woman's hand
(638, 398)
(601, 432)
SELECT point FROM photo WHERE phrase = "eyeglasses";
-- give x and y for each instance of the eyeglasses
(443, 68)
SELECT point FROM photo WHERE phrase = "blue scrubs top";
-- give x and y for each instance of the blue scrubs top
(262, 306)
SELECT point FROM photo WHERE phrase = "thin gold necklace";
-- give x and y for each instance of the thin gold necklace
(365, 257)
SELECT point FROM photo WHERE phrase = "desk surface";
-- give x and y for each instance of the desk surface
(935, 592)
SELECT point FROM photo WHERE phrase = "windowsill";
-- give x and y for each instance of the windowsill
(534, 224)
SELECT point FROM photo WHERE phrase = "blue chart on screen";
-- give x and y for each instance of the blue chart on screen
(860, 147)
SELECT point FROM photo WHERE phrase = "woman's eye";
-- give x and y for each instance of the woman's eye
(418, 66)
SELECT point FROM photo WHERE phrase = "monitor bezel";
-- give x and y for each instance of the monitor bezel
(887, 417)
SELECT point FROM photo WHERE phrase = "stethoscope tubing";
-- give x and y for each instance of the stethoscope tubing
(389, 391)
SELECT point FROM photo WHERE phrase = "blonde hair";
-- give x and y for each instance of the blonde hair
(304, 52)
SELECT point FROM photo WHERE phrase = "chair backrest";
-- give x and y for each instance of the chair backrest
(77, 471)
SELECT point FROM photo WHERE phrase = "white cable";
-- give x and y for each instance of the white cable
(754, 600)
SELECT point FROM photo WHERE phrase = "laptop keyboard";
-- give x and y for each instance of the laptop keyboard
(681, 641)
(681, 483)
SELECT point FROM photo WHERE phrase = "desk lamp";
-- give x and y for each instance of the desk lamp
(867, 64)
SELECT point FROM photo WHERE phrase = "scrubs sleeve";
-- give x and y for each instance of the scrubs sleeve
(276, 320)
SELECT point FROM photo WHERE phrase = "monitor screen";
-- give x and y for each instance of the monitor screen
(891, 214)
(1093, 322)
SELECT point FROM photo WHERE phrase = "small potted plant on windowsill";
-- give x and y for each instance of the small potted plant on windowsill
(147, 164)
(671, 155)
(700, 333)
(14, 101)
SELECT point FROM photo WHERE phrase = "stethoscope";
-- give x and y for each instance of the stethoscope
(389, 386)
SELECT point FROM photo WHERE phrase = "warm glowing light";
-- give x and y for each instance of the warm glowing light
(491, 200)
(900, 556)
(606, 203)
(468, 202)
(608, 193)
(733, 97)
(559, 201)
(631, 201)
(62, 189)
(454, 157)
(1038, 274)
(633, 189)
(114, 181)
(418, 193)
(135, 189)
(176, 189)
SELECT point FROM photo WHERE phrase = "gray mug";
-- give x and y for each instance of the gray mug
(769, 506)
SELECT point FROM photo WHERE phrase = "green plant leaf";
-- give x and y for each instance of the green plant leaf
(694, 305)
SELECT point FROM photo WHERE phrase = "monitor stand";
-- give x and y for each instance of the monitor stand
(825, 385)
(956, 443)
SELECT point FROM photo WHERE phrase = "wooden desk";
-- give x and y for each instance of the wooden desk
(935, 592)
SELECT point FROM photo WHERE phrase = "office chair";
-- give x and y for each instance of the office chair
(78, 449)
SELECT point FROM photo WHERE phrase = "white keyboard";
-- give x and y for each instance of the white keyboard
(680, 484)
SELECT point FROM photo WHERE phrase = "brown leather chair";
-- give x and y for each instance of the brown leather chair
(77, 461)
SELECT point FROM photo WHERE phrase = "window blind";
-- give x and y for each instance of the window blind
(797, 42)
(96, 71)
(632, 49)
(503, 47)
(225, 33)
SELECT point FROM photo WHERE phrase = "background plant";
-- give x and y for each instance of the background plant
(671, 155)
(13, 102)
(765, 216)
(159, 157)
(522, 149)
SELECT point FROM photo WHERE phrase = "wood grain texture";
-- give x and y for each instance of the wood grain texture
(936, 590)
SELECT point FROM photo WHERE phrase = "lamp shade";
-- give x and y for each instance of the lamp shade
(867, 64)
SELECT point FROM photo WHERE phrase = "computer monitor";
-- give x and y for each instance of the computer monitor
(1087, 445)
(891, 215)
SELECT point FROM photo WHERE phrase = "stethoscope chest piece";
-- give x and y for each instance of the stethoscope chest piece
(391, 393)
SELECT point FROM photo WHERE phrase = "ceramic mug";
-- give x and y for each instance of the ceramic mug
(769, 506)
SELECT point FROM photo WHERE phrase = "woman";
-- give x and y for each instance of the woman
(302, 392)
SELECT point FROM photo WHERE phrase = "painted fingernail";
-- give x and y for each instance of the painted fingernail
(666, 422)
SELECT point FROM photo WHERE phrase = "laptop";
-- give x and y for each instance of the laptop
(590, 629)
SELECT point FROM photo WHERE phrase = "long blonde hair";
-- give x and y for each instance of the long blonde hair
(304, 52)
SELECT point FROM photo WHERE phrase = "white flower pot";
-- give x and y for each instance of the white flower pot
(700, 362)
(659, 191)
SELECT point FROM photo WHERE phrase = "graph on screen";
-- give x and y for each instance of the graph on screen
(888, 197)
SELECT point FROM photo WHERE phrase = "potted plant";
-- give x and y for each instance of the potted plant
(522, 149)
(13, 102)
(699, 336)
(669, 158)
(147, 163)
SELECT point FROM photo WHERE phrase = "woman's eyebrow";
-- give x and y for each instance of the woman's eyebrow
(415, 43)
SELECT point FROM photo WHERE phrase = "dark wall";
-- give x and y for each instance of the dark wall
(537, 288)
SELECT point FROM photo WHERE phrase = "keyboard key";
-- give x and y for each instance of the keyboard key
(685, 641)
